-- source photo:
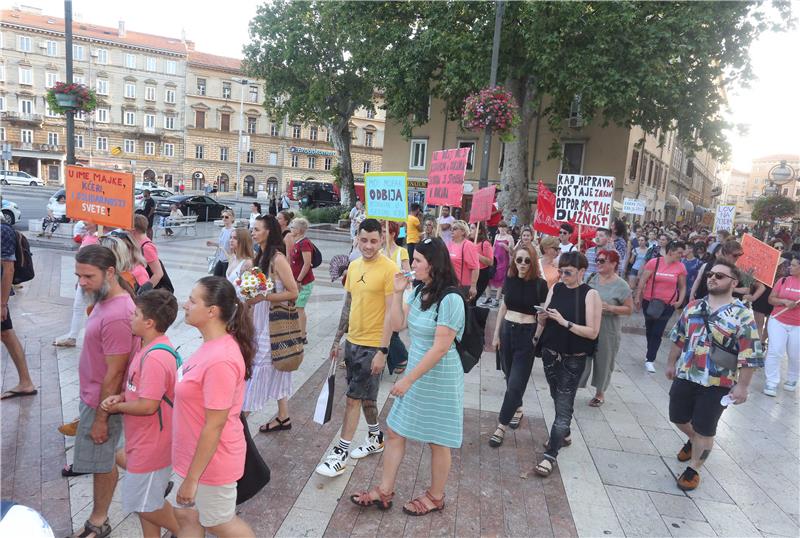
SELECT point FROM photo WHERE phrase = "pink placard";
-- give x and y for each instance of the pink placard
(482, 205)
(760, 258)
(446, 178)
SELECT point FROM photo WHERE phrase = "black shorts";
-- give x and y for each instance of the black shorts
(7, 325)
(361, 384)
(691, 402)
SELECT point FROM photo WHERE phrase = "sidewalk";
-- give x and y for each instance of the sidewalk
(617, 478)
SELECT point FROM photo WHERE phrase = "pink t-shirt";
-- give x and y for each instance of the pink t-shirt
(469, 258)
(212, 378)
(666, 280)
(140, 274)
(150, 251)
(486, 251)
(108, 332)
(89, 239)
(148, 442)
(788, 288)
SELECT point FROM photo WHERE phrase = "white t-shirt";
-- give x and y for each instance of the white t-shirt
(446, 235)
(569, 247)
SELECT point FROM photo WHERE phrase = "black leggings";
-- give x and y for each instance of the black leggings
(483, 283)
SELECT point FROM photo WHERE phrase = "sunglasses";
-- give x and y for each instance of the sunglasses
(523, 261)
(601, 261)
(717, 275)
(563, 233)
(565, 272)
(778, 247)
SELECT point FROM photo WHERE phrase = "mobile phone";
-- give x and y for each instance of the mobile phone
(540, 309)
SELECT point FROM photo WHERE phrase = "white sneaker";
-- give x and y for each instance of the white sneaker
(335, 463)
(486, 302)
(649, 367)
(770, 389)
(790, 386)
(373, 445)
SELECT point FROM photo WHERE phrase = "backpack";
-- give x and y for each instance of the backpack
(23, 265)
(178, 362)
(165, 283)
(316, 256)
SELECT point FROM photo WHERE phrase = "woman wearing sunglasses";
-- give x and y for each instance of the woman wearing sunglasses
(568, 329)
(784, 331)
(223, 244)
(617, 302)
(523, 290)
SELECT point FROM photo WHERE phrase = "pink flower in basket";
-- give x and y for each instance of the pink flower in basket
(253, 283)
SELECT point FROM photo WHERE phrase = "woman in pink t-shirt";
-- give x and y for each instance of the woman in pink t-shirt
(485, 257)
(662, 279)
(208, 445)
(784, 331)
(464, 257)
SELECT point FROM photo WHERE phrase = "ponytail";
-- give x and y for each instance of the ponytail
(241, 328)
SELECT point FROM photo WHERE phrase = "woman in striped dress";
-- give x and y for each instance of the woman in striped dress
(429, 399)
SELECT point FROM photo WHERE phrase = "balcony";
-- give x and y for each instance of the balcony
(20, 117)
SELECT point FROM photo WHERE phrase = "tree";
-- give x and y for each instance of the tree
(773, 208)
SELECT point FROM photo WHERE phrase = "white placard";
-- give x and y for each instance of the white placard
(587, 199)
(724, 218)
(634, 206)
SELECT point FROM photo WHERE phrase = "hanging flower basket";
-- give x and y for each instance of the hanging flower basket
(495, 108)
(63, 97)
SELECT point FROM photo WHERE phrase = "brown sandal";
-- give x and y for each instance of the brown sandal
(383, 502)
(419, 508)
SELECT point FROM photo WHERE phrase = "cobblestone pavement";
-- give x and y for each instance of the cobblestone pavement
(616, 479)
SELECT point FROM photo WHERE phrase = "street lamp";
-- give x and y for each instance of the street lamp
(240, 189)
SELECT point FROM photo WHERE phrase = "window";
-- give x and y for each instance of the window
(471, 155)
(2, 133)
(312, 162)
(650, 173)
(313, 133)
(52, 48)
(130, 90)
(102, 86)
(102, 56)
(251, 156)
(223, 153)
(370, 114)
(52, 139)
(23, 43)
(368, 139)
(102, 115)
(273, 158)
(367, 166)
(226, 90)
(50, 79)
(26, 106)
(169, 122)
(418, 150)
(102, 143)
(295, 131)
(572, 159)
(2, 103)
(201, 86)
(254, 94)
(77, 52)
(199, 151)
(78, 79)
(251, 124)
(225, 122)
(79, 141)
(169, 97)
(150, 121)
(149, 148)
(327, 136)
(171, 67)
(273, 130)
(575, 118)
(295, 161)
(26, 76)
(2, 72)
(169, 150)
(150, 63)
(634, 166)
(130, 61)
(26, 136)
(149, 93)
(129, 118)
(129, 146)
(690, 168)
(328, 164)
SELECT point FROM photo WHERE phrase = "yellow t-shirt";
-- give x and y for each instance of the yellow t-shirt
(398, 256)
(412, 230)
(369, 283)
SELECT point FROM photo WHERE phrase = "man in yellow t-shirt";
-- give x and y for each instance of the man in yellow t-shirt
(413, 229)
(370, 281)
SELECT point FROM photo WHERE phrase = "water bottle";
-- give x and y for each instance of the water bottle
(726, 400)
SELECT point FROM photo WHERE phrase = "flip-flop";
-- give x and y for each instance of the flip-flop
(67, 472)
(7, 395)
(596, 402)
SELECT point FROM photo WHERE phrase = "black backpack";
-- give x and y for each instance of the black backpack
(23, 266)
(316, 256)
(165, 283)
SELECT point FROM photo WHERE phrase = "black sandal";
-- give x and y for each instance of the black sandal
(99, 532)
(516, 419)
(496, 440)
(282, 425)
(67, 472)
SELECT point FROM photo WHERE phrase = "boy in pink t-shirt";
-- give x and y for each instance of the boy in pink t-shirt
(146, 404)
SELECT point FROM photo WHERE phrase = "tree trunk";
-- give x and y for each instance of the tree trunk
(514, 177)
(340, 138)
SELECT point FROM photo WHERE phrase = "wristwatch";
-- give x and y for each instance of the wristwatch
(569, 325)
(384, 350)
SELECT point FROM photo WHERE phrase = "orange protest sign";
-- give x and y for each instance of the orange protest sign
(104, 197)
(760, 258)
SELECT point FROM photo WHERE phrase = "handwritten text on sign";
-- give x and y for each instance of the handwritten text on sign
(634, 206)
(587, 199)
(446, 178)
(724, 218)
(103, 197)
(760, 258)
(386, 195)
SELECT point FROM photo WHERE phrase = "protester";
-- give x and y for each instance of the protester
(149, 211)
(284, 220)
(637, 258)
(716, 348)
(273, 205)
(414, 228)
(56, 214)
(255, 212)
(208, 445)
(615, 295)
(502, 248)
(428, 228)
(370, 281)
(602, 241)
(658, 249)
(784, 331)
(692, 261)
(730, 251)
(485, 258)
(444, 223)
(525, 238)
(300, 258)
(662, 284)
(429, 399)
(398, 354)
(524, 289)
(153, 265)
(241, 259)
(107, 347)
(619, 238)
(356, 216)
(564, 233)
(549, 260)
(285, 201)
(568, 330)
(88, 236)
(146, 406)
(223, 244)
(721, 238)
(464, 257)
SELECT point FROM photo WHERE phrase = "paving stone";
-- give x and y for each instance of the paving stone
(638, 446)
(678, 505)
(635, 511)
(625, 468)
(688, 527)
(726, 519)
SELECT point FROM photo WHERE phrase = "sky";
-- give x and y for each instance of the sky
(769, 107)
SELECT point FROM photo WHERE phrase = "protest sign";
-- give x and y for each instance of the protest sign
(482, 205)
(386, 195)
(634, 206)
(724, 218)
(708, 219)
(586, 199)
(104, 197)
(446, 178)
(545, 221)
(759, 258)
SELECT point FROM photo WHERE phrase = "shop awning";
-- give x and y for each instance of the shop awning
(688, 205)
(673, 201)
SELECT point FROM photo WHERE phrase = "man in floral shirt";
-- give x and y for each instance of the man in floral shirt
(700, 378)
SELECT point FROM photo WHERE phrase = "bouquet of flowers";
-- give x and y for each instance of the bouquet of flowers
(494, 108)
(62, 97)
(253, 283)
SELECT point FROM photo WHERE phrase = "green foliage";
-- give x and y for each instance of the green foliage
(329, 214)
(774, 207)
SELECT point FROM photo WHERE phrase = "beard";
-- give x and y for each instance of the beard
(96, 296)
(720, 290)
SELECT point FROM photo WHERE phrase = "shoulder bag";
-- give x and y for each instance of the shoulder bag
(719, 355)
(256, 472)
(285, 336)
(655, 307)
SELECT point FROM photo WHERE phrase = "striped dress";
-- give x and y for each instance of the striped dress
(432, 411)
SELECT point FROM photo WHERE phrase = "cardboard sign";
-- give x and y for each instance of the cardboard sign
(586, 199)
(386, 195)
(708, 219)
(446, 178)
(104, 197)
(482, 205)
(760, 258)
(634, 206)
(724, 218)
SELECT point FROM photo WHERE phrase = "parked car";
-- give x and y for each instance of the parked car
(147, 185)
(205, 207)
(11, 212)
(156, 194)
(13, 177)
(317, 194)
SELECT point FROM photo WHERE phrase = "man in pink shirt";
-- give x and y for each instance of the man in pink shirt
(108, 344)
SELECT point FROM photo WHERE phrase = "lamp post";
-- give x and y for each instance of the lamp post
(487, 134)
(239, 188)
(70, 112)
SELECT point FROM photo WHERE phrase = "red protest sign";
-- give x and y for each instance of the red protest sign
(545, 221)
(760, 258)
(446, 178)
(482, 205)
